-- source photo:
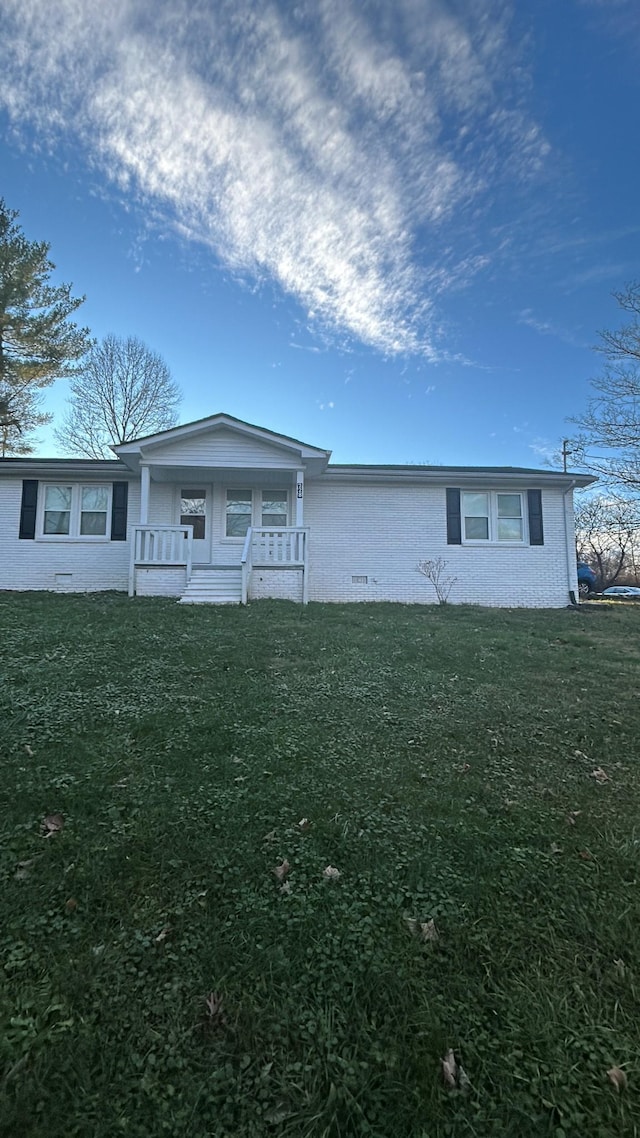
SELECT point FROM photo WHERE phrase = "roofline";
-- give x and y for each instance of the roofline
(397, 473)
(220, 415)
(353, 471)
(53, 465)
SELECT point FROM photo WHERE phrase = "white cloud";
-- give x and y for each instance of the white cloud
(327, 146)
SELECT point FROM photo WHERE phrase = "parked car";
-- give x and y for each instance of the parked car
(586, 579)
(621, 591)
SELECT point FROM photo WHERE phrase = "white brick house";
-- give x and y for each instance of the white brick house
(222, 511)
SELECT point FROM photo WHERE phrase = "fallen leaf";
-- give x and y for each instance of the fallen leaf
(454, 1074)
(304, 824)
(331, 873)
(449, 1069)
(464, 1081)
(270, 837)
(600, 775)
(71, 905)
(555, 848)
(465, 767)
(426, 930)
(52, 824)
(571, 817)
(162, 935)
(618, 1077)
(215, 1008)
(285, 887)
(282, 870)
(23, 869)
(585, 855)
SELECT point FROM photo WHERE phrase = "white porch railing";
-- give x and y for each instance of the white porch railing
(160, 545)
(272, 549)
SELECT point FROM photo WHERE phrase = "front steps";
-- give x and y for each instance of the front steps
(213, 587)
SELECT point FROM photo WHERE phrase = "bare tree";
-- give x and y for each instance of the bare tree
(435, 570)
(608, 535)
(611, 424)
(124, 392)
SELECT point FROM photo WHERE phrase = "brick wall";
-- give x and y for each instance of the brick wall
(381, 532)
(67, 566)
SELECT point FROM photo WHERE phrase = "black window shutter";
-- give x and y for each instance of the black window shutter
(454, 524)
(536, 531)
(28, 508)
(119, 511)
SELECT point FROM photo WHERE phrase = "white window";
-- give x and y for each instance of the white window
(74, 511)
(274, 508)
(491, 516)
(266, 508)
(239, 510)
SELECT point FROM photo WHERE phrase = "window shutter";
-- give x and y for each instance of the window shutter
(536, 531)
(119, 511)
(28, 508)
(454, 524)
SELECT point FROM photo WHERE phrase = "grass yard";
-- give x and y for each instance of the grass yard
(158, 980)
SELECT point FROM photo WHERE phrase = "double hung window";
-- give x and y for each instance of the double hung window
(266, 508)
(493, 517)
(75, 511)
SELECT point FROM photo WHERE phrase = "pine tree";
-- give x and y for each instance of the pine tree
(38, 341)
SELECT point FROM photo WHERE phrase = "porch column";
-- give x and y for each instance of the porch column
(145, 482)
(300, 498)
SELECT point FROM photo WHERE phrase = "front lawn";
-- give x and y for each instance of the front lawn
(160, 979)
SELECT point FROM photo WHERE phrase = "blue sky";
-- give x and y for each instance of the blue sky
(388, 227)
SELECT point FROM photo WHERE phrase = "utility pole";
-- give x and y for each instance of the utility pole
(565, 452)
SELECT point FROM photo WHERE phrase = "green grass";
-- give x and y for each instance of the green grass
(437, 753)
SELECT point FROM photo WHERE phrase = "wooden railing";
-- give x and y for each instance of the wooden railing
(271, 548)
(160, 545)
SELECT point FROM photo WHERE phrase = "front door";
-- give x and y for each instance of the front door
(195, 510)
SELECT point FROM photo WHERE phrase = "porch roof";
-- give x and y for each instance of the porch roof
(205, 445)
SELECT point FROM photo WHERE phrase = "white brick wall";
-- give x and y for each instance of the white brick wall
(68, 566)
(285, 584)
(357, 530)
(156, 582)
(381, 532)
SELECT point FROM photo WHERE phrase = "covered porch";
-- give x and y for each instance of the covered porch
(221, 512)
(220, 535)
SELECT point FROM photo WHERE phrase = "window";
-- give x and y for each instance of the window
(266, 508)
(193, 510)
(57, 509)
(489, 516)
(75, 511)
(509, 511)
(475, 508)
(94, 507)
(274, 508)
(239, 509)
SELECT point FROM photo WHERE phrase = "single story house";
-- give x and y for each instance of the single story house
(222, 511)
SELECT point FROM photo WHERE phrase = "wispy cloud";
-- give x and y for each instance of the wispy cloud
(549, 328)
(328, 146)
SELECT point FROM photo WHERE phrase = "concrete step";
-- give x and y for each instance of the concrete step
(213, 587)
